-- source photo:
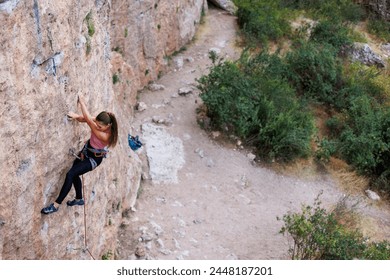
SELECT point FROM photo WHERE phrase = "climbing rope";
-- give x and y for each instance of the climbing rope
(85, 220)
(72, 152)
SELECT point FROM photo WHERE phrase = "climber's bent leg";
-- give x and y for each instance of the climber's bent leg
(79, 167)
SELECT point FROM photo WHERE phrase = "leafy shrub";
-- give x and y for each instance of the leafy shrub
(107, 255)
(335, 125)
(380, 28)
(115, 78)
(317, 235)
(359, 80)
(377, 251)
(262, 20)
(264, 65)
(337, 10)
(342, 10)
(264, 111)
(359, 131)
(332, 33)
(314, 71)
(285, 128)
(382, 83)
(90, 24)
(301, 4)
(361, 142)
(365, 77)
(352, 12)
(326, 148)
(220, 88)
(358, 96)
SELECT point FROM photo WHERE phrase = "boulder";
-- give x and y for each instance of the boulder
(372, 195)
(226, 5)
(364, 54)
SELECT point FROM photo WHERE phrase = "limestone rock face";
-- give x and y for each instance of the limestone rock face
(363, 53)
(146, 33)
(51, 51)
(227, 5)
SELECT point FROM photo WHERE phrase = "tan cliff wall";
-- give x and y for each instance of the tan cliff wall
(49, 52)
(145, 33)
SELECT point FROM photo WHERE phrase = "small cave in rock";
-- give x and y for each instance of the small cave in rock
(210, 3)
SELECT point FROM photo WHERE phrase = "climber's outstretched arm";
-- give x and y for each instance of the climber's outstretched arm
(77, 117)
(86, 115)
(96, 129)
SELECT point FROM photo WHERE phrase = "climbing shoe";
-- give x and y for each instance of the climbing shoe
(49, 209)
(75, 202)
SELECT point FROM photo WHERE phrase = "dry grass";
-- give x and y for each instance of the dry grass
(372, 40)
(300, 168)
(349, 180)
(370, 227)
(346, 212)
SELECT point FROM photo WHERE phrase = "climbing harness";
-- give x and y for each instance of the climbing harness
(96, 152)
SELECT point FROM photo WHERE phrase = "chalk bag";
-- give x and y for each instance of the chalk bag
(134, 142)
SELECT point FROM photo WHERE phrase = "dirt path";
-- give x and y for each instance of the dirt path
(209, 201)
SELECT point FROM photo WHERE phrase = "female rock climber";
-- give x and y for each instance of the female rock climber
(104, 134)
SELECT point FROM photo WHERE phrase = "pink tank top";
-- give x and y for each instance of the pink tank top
(95, 142)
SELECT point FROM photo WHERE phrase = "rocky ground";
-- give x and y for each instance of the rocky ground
(202, 198)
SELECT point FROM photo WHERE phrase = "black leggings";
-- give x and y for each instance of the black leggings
(79, 168)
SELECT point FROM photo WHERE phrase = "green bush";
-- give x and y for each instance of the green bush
(301, 4)
(362, 134)
(286, 135)
(377, 251)
(264, 65)
(219, 90)
(332, 33)
(263, 111)
(315, 71)
(90, 24)
(337, 10)
(342, 10)
(357, 81)
(380, 28)
(335, 125)
(361, 143)
(318, 235)
(326, 149)
(360, 130)
(352, 12)
(115, 78)
(364, 77)
(262, 20)
(265, 85)
(382, 169)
